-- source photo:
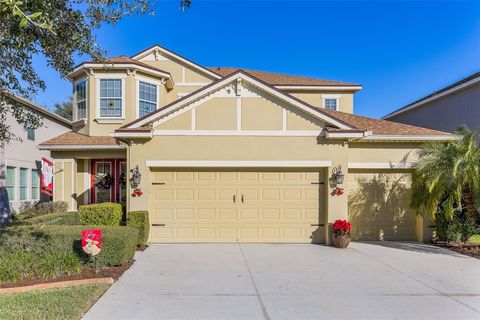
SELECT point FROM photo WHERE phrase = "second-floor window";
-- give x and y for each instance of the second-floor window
(81, 100)
(31, 134)
(111, 98)
(147, 98)
(330, 103)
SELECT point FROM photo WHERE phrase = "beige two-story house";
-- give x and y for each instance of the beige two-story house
(235, 155)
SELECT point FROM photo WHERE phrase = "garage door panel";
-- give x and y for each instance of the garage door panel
(202, 206)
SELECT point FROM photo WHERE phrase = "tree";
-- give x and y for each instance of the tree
(447, 176)
(64, 109)
(57, 29)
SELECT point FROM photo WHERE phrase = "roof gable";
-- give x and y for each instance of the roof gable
(236, 80)
(157, 51)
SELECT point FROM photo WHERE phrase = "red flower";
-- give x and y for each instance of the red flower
(341, 227)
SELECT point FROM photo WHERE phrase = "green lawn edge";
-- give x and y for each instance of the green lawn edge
(51, 304)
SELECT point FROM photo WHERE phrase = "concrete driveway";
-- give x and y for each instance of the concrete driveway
(267, 281)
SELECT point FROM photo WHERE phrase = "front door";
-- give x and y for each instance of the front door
(114, 191)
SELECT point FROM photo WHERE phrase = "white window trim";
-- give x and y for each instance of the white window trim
(330, 96)
(110, 77)
(75, 110)
(148, 81)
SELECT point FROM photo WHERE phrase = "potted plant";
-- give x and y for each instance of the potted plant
(341, 233)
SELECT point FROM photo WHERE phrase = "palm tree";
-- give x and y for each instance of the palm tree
(447, 175)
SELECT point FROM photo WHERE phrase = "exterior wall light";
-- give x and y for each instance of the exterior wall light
(136, 177)
(338, 175)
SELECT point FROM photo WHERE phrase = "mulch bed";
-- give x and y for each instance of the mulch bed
(472, 250)
(86, 273)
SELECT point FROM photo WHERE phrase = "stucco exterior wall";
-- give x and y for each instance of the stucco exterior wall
(446, 113)
(315, 98)
(25, 153)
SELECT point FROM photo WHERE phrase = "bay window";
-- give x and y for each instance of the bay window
(147, 98)
(81, 100)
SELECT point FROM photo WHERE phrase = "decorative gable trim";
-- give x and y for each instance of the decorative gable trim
(218, 85)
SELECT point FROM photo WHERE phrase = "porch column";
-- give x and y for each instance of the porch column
(336, 205)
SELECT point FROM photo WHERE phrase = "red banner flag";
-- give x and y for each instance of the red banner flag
(92, 241)
(47, 176)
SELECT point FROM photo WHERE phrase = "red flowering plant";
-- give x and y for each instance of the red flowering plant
(341, 227)
(137, 192)
(337, 191)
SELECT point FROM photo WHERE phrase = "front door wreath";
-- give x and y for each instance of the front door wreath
(103, 181)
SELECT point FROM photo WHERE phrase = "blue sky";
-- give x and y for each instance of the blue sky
(398, 51)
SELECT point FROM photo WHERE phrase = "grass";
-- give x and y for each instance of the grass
(475, 239)
(63, 303)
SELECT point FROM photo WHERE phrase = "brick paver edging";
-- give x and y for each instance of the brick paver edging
(60, 284)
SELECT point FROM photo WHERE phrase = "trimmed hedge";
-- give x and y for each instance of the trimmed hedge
(118, 243)
(68, 218)
(18, 264)
(35, 208)
(139, 219)
(101, 214)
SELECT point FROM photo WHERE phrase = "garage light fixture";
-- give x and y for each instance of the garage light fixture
(136, 178)
(338, 175)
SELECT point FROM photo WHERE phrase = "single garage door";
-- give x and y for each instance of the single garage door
(379, 206)
(237, 206)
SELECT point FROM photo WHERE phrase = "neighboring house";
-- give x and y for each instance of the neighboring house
(20, 160)
(445, 109)
(230, 155)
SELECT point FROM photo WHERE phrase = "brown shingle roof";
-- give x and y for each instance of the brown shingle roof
(279, 79)
(378, 126)
(74, 138)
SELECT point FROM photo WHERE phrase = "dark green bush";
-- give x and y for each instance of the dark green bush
(458, 229)
(18, 264)
(101, 214)
(68, 218)
(119, 243)
(32, 208)
(139, 219)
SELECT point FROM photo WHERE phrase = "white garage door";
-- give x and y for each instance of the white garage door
(237, 206)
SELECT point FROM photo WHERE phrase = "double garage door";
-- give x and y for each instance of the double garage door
(237, 206)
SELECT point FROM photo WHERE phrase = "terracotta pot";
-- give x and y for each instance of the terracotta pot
(341, 240)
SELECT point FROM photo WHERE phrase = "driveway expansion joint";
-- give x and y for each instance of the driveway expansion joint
(264, 309)
(440, 293)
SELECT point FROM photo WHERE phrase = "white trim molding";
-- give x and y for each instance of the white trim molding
(381, 165)
(80, 147)
(253, 133)
(239, 164)
(120, 134)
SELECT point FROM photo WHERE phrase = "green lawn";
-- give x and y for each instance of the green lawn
(475, 239)
(63, 303)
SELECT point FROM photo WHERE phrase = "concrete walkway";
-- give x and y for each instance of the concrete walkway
(267, 281)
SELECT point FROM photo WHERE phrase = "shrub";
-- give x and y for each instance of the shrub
(139, 219)
(19, 264)
(458, 229)
(68, 218)
(33, 208)
(101, 214)
(119, 243)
